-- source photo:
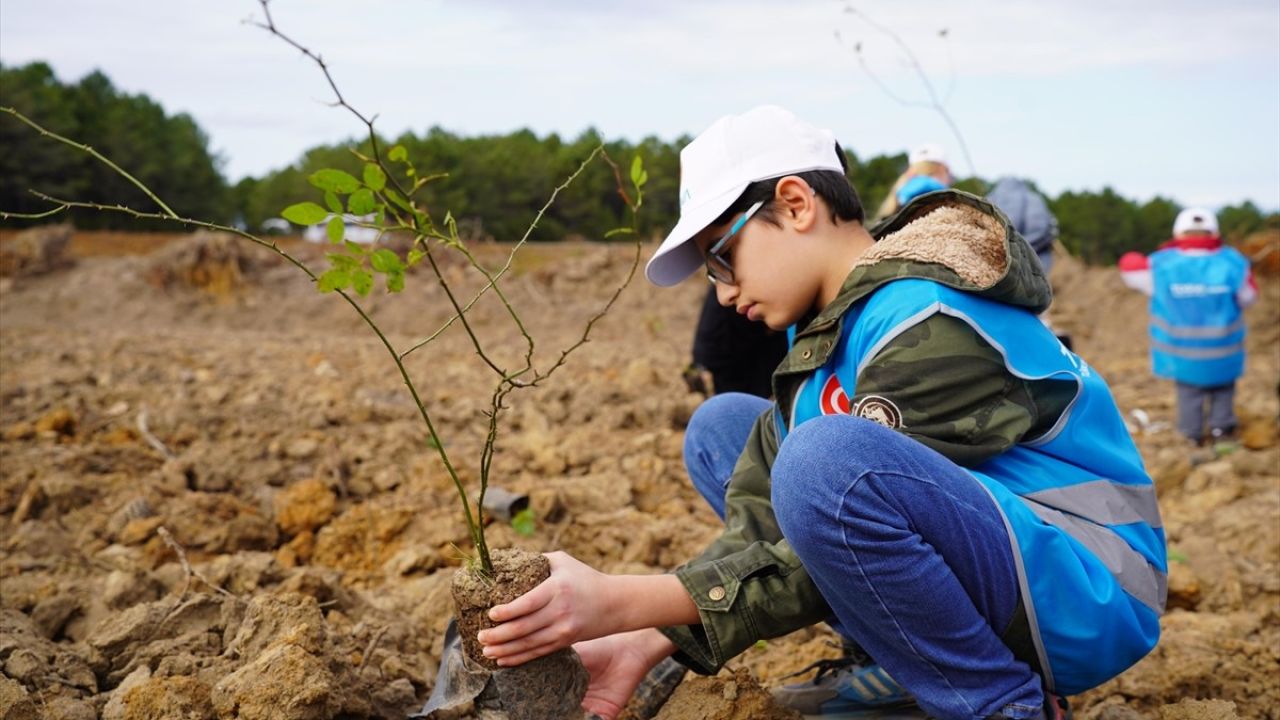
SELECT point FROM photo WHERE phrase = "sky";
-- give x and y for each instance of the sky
(1177, 98)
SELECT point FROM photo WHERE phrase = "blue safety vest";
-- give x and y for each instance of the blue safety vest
(1197, 329)
(1080, 509)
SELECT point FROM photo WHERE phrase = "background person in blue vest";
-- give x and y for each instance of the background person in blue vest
(937, 478)
(927, 171)
(1199, 289)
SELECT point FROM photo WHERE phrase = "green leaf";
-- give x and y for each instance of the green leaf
(386, 261)
(395, 281)
(343, 262)
(398, 201)
(524, 523)
(362, 202)
(415, 255)
(362, 282)
(335, 229)
(619, 231)
(397, 154)
(333, 202)
(305, 213)
(333, 279)
(334, 181)
(374, 177)
(637, 171)
(356, 248)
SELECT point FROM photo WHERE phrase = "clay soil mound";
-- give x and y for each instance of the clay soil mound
(221, 504)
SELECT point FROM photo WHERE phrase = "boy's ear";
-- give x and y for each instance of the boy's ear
(797, 203)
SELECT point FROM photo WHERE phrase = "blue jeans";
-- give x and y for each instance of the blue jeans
(907, 548)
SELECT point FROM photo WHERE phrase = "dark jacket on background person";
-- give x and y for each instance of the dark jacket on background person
(1029, 213)
(741, 355)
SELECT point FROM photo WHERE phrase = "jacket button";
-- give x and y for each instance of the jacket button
(716, 593)
(806, 354)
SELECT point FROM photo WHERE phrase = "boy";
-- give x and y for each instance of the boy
(1198, 291)
(938, 477)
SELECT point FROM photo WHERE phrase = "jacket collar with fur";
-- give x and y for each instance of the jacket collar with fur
(953, 238)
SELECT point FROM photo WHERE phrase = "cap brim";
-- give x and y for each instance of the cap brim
(678, 257)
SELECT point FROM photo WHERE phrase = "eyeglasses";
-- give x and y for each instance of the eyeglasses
(718, 268)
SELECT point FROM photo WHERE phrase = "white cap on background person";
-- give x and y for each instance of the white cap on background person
(1195, 219)
(927, 153)
(737, 150)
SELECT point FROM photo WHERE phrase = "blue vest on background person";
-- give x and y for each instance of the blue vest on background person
(1197, 328)
(1081, 509)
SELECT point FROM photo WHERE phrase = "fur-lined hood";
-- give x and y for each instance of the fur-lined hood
(950, 237)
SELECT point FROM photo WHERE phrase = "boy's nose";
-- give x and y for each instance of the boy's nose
(726, 294)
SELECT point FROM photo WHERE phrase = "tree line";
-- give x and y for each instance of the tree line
(493, 185)
(169, 153)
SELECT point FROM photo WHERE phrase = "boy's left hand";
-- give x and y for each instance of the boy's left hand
(617, 665)
(570, 606)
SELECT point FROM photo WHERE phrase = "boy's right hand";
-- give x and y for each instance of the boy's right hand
(571, 605)
(577, 604)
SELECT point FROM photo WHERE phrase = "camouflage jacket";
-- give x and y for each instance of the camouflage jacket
(951, 388)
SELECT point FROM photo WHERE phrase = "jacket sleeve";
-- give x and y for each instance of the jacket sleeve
(1247, 293)
(1135, 271)
(748, 584)
(954, 393)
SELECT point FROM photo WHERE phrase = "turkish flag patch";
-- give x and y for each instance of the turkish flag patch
(834, 400)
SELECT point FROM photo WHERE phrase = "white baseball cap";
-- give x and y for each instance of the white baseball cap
(737, 150)
(927, 153)
(1193, 219)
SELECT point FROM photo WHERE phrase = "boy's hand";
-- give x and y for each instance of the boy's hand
(570, 606)
(617, 665)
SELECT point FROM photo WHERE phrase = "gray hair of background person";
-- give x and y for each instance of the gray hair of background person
(1030, 215)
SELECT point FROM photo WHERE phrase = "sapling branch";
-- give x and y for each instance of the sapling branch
(475, 341)
(934, 103)
(270, 26)
(519, 244)
(97, 155)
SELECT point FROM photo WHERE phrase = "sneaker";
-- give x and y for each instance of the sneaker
(1056, 707)
(848, 687)
(1223, 441)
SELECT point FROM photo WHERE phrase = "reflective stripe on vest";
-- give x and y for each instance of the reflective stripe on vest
(1103, 502)
(1197, 332)
(1217, 353)
(1138, 577)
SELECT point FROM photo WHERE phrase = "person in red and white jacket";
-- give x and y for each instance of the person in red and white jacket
(1198, 289)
